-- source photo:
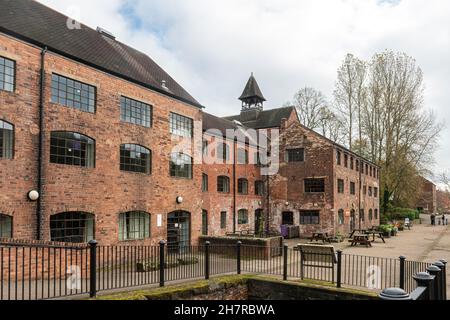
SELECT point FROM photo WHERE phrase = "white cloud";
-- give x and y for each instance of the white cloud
(211, 46)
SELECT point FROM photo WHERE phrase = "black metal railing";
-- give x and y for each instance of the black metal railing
(30, 272)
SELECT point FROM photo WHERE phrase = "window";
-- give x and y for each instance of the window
(72, 148)
(341, 218)
(5, 226)
(73, 94)
(376, 214)
(72, 227)
(135, 112)
(367, 169)
(242, 156)
(362, 215)
(364, 190)
(259, 188)
(7, 74)
(135, 158)
(223, 220)
(242, 186)
(370, 191)
(134, 225)
(375, 192)
(370, 170)
(6, 140)
(340, 186)
(370, 215)
(204, 182)
(180, 165)
(314, 185)
(357, 165)
(309, 217)
(205, 147)
(295, 155)
(351, 163)
(345, 160)
(223, 184)
(242, 216)
(352, 188)
(204, 222)
(180, 125)
(287, 218)
(223, 151)
(338, 158)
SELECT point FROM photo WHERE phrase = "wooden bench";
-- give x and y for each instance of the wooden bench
(362, 239)
(316, 257)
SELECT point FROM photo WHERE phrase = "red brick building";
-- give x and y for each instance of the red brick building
(110, 147)
(427, 199)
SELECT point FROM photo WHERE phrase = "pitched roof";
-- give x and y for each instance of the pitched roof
(252, 90)
(42, 26)
(266, 118)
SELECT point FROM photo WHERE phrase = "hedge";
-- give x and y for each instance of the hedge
(402, 213)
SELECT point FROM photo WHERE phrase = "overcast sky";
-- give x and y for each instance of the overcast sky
(210, 47)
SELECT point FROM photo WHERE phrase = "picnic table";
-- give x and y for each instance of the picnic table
(360, 238)
(357, 231)
(320, 236)
(374, 233)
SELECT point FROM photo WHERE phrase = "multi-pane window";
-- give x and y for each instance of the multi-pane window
(242, 216)
(375, 192)
(134, 225)
(181, 125)
(204, 182)
(6, 140)
(287, 218)
(314, 185)
(340, 186)
(370, 215)
(242, 156)
(204, 222)
(352, 188)
(223, 151)
(223, 220)
(5, 226)
(309, 217)
(135, 112)
(135, 158)
(370, 191)
(242, 186)
(180, 165)
(72, 148)
(338, 157)
(295, 155)
(259, 188)
(341, 216)
(72, 227)
(223, 184)
(7, 74)
(73, 94)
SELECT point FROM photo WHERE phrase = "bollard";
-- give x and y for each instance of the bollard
(445, 277)
(207, 243)
(424, 279)
(285, 261)
(339, 269)
(238, 254)
(394, 294)
(162, 263)
(402, 272)
(93, 268)
(442, 286)
(435, 271)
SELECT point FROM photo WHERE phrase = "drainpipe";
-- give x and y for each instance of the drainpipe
(360, 188)
(41, 144)
(234, 185)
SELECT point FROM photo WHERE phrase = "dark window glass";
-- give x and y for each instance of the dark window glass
(242, 186)
(181, 165)
(223, 151)
(357, 165)
(205, 147)
(72, 227)
(376, 214)
(5, 226)
(351, 163)
(7, 74)
(242, 216)
(72, 148)
(223, 220)
(341, 216)
(242, 156)
(204, 222)
(259, 188)
(362, 215)
(135, 158)
(223, 184)
(295, 155)
(345, 160)
(73, 94)
(204, 182)
(135, 112)
(134, 225)
(370, 191)
(6, 140)
(364, 190)
(340, 185)
(370, 215)
(338, 157)
(287, 218)
(314, 185)
(367, 169)
(352, 188)
(309, 217)
(375, 192)
(181, 125)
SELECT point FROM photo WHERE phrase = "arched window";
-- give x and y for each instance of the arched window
(72, 148)
(242, 156)
(181, 165)
(223, 151)
(135, 158)
(204, 222)
(370, 215)
(6, 140)
(223, 184)
(5, 226)
(242, 186)
(341, 216)
(134, 225)
(362, 215)
(243, 216)
(259, 188)
(72, 226)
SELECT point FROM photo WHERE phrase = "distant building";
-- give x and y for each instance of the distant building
(427, 201)
(443, 201)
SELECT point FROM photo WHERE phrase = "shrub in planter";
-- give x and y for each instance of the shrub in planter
(386, 229)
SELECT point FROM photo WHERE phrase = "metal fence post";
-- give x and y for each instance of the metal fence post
(339, 269)
(402, 272)
(238, 255)
(435, 271)
(394, 294)
(444, 271)
(207, 243)
(285, 261)
(93, 268)
(162, 263)
(424, 279)
(442, 287)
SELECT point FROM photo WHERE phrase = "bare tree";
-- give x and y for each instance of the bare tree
(309, 103)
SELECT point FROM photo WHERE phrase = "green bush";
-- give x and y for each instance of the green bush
(387, 228)
(402, 213)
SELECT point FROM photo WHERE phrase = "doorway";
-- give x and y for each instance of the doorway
(178, 231)
(287, 218)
